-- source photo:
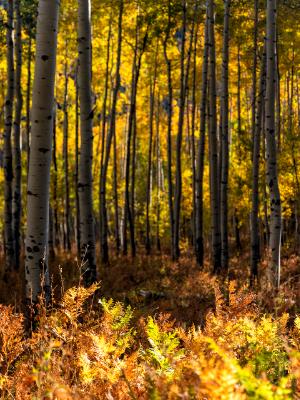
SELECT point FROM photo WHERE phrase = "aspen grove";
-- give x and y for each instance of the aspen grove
(150, 199)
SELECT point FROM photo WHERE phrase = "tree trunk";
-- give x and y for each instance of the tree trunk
(178, 178)
(254, 72)
(67, 233)
(111, 136)
(102, 213)
(193, 143)
(201, 153)
(17, 200)
(213, 145)
(77, 113)
(87, 231)
(159, 177)
(28, 96)
(255, 240)
(40, 153)
(169, 109)
(8, 162)
(55, 181)
(239, 102)
(116, 198)
(225, 139)
(149, 169)
(129, 203)
(272, 173)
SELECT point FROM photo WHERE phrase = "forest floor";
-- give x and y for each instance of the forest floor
(171, 331)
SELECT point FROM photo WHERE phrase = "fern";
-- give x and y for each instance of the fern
(164, 347)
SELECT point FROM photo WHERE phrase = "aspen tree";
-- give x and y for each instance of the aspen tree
(40, 151)
(255, 240)
(272, 172)
(87, 229)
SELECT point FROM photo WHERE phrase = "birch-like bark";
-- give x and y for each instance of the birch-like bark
(255, 238)
(272, 172)
(40, 153)
(87, 230)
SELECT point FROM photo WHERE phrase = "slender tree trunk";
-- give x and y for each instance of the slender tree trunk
(104, 105)
(201, 153)
(265, 200)
(131, 220)
(87, 230)
(169, 134)
(102, 213)
(213, 145)
(55, 181)
(40, 154)
(159, 177)
(255, 240)
(77, 205)
(225, 139)
(17, 200)
(254, 72)
(272, 173)
(193, 143)
(127, 211)
(111, 136)
(129, 205)
(28, 96)
(67, 233)
(149, 170)
(178, 178)
(8, 160)
(278, 98)
(116, 198)
(239, 102)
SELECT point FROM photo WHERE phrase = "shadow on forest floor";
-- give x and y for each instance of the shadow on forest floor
(154, 284)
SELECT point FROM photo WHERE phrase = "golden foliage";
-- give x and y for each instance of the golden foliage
(99, 349)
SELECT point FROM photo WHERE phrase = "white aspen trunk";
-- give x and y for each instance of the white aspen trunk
(40, 151)
(87, 232)
(255, 237)
(272, 173)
